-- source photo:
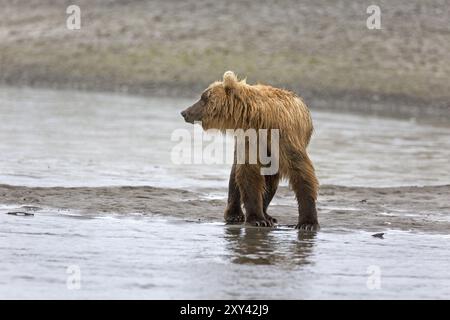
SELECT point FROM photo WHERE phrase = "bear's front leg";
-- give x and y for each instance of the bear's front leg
(251, 186)
(233, 213)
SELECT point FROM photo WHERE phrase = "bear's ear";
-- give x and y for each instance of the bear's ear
(230, 81)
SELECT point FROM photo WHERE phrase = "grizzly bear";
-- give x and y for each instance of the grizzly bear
(234, 104)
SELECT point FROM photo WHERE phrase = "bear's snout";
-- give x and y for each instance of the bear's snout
(193, 113)
(186, 116)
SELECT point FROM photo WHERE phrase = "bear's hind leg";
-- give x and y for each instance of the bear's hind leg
(304, 182)
(270, 190)
(233, 213)
(251, 185)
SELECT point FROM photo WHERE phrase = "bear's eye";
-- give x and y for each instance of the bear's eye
(204, 97)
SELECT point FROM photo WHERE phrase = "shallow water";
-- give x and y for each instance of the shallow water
(65, 138)
(147, 257)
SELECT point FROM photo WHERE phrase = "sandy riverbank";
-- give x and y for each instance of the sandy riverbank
(320, 49)
(424, 209)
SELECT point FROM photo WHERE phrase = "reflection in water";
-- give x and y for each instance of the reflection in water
(269, 246)
(149, 258)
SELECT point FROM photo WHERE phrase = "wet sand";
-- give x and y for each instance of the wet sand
(420, 209)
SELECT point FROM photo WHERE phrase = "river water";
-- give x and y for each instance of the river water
(65, 138)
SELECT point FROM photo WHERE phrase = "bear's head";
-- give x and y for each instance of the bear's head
(219, 105)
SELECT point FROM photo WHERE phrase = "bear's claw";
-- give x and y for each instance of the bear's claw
(270, 218)
(308, 226)
(235, 219)
(234, 216)
(260, 223)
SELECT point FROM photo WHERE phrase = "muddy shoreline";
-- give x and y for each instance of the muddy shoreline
(321, 50)
(419, 209)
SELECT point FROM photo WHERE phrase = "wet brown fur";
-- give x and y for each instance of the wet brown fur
(234, 104)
